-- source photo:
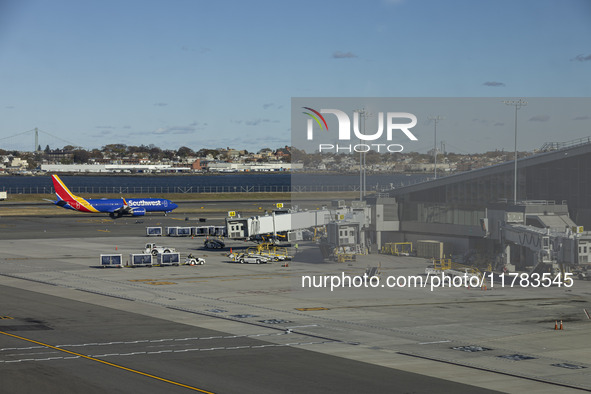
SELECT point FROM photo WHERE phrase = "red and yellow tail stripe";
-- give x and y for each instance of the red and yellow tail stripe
(78, 203)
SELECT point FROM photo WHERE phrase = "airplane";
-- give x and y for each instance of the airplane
(115, 207)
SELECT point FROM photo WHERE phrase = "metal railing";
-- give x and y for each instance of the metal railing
(184, 190)
(147, 190)
(550, 146)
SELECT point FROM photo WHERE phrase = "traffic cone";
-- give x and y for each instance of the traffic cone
(561, 324)
(556, 324)
(115, 247)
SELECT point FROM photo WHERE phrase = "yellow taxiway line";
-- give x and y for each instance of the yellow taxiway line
(108, 363)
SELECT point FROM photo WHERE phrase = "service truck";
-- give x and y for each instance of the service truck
(155, 250)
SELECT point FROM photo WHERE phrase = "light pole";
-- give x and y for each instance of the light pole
(435, 119)
(364, 114)
(517, 104)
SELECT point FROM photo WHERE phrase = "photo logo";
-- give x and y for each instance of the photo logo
(344, 130)
(315, 118)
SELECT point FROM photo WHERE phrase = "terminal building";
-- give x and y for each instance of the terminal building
(472, 215)
(553, 195)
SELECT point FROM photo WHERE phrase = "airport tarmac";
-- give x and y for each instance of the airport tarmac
(226, 327)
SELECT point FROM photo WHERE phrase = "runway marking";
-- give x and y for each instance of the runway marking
(6, 318)
(429, 343)
(142, 280)
(320, 308)
(160, 283)
(165, 351)
(94, 221)
(106, 363)
(104, 231)
(148, 341)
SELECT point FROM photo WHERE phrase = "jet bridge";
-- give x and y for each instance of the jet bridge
(542, 232)
(281, 222)
(549, 246)
(288, 223)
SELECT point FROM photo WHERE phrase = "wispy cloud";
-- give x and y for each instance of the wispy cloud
(160, 104)
(585, 117)
(175, 130)
(105, 127)
(103, 134)
(254, 122)
(257, 122)
(494, 84)
(268, 105)
(343, 55)
(539, 118)
(487, 122)
(581, 58)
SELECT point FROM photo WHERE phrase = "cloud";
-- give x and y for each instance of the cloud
(105, 127)
(487, 122)
(160, 104)
(10, 107)
(539, 118)
(582, 117)
(268, 105)
(103, 134)
(254, 122)
(581, 58)
(493, 84)
(343, 55)
(175, 130)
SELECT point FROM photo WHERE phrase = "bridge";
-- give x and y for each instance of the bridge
(32, 141)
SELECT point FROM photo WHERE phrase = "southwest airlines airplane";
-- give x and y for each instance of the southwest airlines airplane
(115, 207)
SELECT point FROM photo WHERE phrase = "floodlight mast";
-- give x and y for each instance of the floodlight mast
(362, 176)
(435, 119)
(517, 104)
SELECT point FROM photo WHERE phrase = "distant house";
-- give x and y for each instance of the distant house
(196, 166)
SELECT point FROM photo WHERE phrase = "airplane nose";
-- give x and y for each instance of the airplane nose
(173, 206)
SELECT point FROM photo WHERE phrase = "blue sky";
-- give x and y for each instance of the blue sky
(222, 73)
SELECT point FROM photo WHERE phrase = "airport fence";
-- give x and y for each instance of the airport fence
(123, 190)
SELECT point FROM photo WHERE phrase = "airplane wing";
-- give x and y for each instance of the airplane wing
(126, 209)
(122, 210)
